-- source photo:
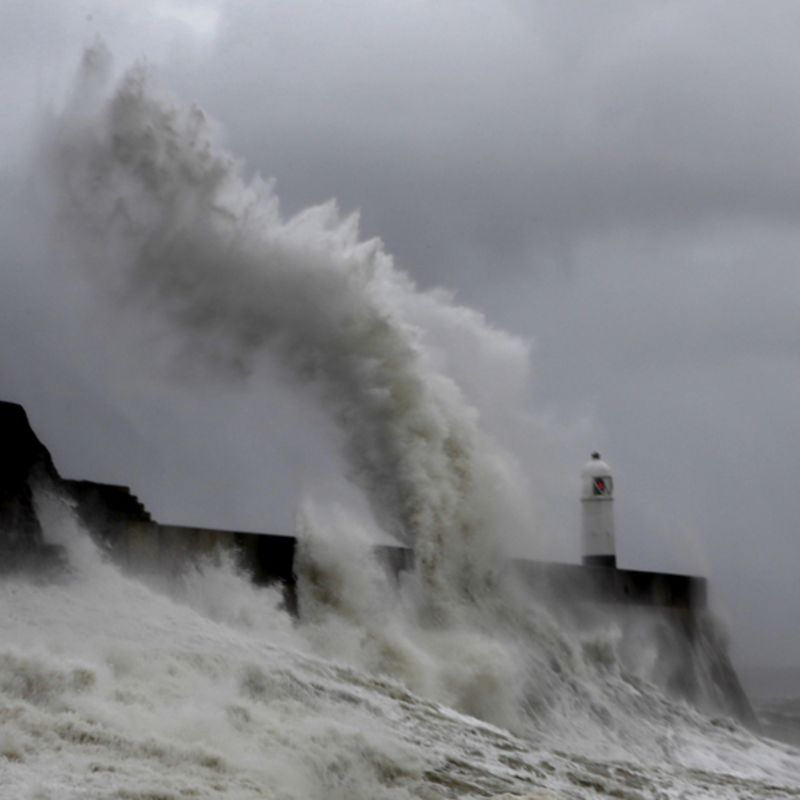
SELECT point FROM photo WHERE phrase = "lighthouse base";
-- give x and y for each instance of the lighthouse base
(610, 562)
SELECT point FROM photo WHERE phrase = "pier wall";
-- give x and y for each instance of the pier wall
(662, 612)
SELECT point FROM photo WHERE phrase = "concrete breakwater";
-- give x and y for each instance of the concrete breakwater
(670, 610)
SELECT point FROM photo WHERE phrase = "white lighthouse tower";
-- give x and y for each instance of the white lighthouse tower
(597, 513)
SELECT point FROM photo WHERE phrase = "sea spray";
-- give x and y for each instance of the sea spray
(352, 610)
(168, 221)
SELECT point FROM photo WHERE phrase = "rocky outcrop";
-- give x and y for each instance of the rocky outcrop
(25, 465)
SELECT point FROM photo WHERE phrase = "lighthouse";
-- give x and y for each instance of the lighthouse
(597, 514)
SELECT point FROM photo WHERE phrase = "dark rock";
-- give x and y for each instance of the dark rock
(25, 464)
(26, 467)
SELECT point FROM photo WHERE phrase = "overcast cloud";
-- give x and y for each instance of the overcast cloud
(617, 182)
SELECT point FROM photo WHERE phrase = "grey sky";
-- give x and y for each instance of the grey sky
(616, 181)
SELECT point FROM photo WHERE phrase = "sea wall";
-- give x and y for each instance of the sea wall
(139, 544)
(664, 613)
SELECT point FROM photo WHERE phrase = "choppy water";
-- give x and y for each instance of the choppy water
(113, 688)
(780, 719)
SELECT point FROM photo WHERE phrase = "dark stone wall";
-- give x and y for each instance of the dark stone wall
(146, 547)
(104, 506)
(597, 584)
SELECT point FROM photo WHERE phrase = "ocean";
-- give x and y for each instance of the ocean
(451, 684)
(775, 693)
(780, 718)
(202, 685)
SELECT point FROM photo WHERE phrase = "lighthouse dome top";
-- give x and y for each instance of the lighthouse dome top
(596, 479)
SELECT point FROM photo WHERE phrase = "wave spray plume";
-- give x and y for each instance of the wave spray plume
(170, 222)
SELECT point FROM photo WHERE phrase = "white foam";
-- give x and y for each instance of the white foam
(110, 688)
